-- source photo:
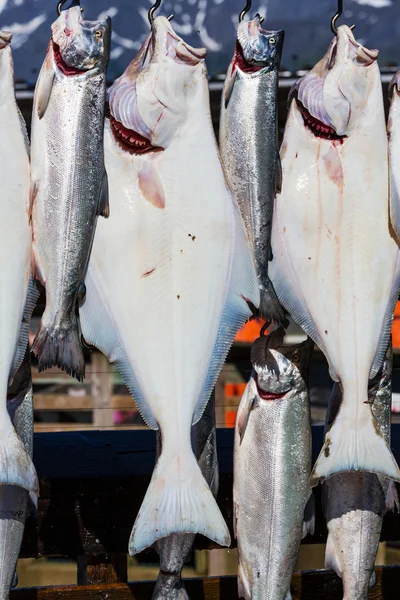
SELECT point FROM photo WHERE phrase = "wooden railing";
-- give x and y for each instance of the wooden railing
(92, 484)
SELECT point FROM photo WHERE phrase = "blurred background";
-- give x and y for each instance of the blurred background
(102, 401)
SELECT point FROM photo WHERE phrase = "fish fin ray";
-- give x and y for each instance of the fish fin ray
(289, 292)
(99, 330)
(245, 407)
(24, 131)
(243, 289)
(387, 323)
(104, 203)
(354, 450)
(177, 503)
(309, 517)
(278, 175)
(61, 348)
(16, 466)
(331, 557)
(30, 304)
(270, 308)
(392, 498)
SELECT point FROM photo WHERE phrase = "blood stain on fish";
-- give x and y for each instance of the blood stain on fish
(148, 272)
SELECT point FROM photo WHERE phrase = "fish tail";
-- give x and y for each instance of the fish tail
(270, 308)
(169, 586)
(178, 500)
(16, 466)
(61, 348)
(358, 446)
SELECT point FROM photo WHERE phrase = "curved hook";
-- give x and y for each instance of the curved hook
(62, 2)
(245, 11)
(152, 10)
(335, 18)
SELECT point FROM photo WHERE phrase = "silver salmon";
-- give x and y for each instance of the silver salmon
(355, 503)
(336, 262)
(174, 549)
(272, 464)
(14, 500)
(249, 143)
(190, 276)
(69, 183)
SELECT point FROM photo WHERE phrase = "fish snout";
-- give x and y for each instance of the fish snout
(5, 39)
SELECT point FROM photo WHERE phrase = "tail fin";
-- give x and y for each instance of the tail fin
(61, 348)
(346, 449)
(16, 466)
(177, 503)
(270, 308)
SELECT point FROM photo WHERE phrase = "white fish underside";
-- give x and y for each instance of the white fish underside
(162, 285)
(16, 466)
(336, 268)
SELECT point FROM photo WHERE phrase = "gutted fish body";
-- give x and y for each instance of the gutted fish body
(249, 143)
(174, 549)
(355, 503)
(165, 302)
(336, 263)
(69, 182)
(272, 464)
(14, 500)
(16, 467)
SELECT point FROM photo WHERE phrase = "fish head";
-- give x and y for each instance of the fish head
(334, 94)
(154, 96)
(78, 45)
(257, 49)
(277, 371)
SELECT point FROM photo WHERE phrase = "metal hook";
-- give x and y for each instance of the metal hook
(335, 18)
(62, 2)
(152, 10)
(245, 11)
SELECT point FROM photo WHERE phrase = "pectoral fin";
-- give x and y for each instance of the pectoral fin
(245, 408)
(150, 185)
(104, 204)
(228, 90)
(44, 85)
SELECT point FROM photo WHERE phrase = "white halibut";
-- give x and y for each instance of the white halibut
(336, 262)
(16, 467)
(171, 272)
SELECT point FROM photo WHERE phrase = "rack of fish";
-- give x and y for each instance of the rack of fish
(155, 246)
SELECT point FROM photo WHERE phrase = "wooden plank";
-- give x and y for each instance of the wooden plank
(101, 378)
(93, 483)
(79, 403)
(307, 585)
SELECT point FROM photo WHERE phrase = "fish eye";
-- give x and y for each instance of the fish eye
(272, 41)
(98, 33)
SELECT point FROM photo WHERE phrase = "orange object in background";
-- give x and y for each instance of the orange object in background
(250, 331)
(396, 327)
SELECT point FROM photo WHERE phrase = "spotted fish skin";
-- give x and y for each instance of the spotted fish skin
(69, 186)
(272, 464)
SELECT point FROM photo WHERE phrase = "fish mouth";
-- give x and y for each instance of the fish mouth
(64, 68)
(242, 64)
(131, 141)
(268, 395)
(5, 39)
(318, 128)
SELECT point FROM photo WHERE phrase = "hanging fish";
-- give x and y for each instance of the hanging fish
(165, 302)
(69, 181)
(273, 502)
(17, 303)
(14, 500)
(355, 503)
(249, 143)
(336, 263)
(174, 549)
